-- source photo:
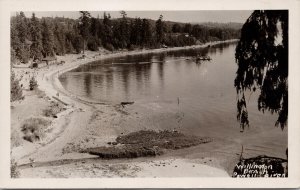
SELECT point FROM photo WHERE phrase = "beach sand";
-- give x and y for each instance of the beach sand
(85, 124)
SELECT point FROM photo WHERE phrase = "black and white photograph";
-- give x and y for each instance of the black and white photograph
(150, 94)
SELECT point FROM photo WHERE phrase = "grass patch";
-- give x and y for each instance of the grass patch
(34, 129)
(146, 143)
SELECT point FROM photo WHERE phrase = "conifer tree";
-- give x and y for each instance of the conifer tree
(160, 29)
(47, 39)
(36, 38)
(84, 25)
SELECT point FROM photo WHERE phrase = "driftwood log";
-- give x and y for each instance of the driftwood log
(123, 104)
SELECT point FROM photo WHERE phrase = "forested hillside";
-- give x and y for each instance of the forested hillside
(35, 38)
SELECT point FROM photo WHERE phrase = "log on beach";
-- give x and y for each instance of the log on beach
(60, 100)
(126, 103)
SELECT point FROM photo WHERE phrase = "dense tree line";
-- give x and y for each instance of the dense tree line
(35, 38)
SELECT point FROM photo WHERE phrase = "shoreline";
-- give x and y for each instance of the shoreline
(79, 113)
(54, 75)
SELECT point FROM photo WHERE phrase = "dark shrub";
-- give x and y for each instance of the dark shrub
(33, 83)
(34, 129)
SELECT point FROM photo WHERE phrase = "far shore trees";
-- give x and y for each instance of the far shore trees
(36, 38)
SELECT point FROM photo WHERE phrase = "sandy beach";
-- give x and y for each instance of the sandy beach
(84, 124)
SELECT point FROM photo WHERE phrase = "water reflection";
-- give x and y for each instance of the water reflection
(142, 76)
(87, 83)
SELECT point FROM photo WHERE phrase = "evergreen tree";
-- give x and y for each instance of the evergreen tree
(47, 39)
(59, 39)
(15, 42)
(36, 38)
(22, 51)
(84, 26)
(107, 31)
(124, 30)
(136, 32)
(146, 33)
(160, 29)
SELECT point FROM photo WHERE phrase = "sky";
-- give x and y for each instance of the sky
(221, 16)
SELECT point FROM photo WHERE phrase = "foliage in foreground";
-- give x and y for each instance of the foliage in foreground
(262, 57)
(34, 129)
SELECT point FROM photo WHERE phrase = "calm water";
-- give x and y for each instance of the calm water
(199, 96)
(157, 77)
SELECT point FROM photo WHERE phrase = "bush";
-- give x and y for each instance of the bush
(34, 129)
(33, 83)
(53, 109)
(15, 88)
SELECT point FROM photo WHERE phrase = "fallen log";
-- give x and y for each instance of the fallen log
(123, 104)
(60, 100)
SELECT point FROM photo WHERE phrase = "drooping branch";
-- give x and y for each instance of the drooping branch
(263, 64)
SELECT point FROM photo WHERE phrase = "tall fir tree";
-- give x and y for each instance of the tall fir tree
(59, 39)
(47, 39)
(23, 50)
(160, 29)
(84, 26)
(146, 33)
(36, 38)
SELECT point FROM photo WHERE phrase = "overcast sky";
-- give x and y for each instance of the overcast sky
(179, 16)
